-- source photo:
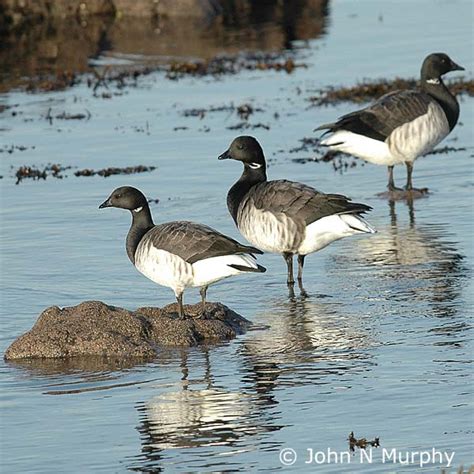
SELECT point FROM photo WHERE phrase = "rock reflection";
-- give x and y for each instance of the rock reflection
(55, 45)
(87, 366)
(81, 374)
(416, 263)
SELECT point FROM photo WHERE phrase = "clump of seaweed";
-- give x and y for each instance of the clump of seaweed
(362, 443)
(244, 111)
(57, 170)
(106, 172)
(370, 90)
(35, 173)
(12, 148)
(246, 126)
(225, 64)
(62, 80)
(340, 161)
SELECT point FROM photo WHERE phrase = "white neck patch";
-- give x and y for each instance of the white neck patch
(255, 166)
(138, 209)
(432, 81)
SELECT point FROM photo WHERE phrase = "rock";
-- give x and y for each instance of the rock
(93, 328)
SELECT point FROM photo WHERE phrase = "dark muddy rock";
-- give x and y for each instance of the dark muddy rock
(93, 328)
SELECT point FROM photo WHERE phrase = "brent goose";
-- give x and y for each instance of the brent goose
(287, 217)
(401, 125)
(179, 254)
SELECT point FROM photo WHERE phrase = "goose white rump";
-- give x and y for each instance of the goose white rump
(170, 270)
(406, 143)
(324, 231)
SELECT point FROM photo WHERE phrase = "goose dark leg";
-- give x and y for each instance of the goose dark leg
(300, 274)
(409, 185)
(179, 299)
(203, 292)
(391, 182)
(300, 268)
(290, 281)
(414, 192)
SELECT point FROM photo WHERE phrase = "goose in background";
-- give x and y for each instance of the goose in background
(287, 217)
(179, 254)
(401, 125)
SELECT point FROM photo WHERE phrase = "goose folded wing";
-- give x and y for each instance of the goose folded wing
(301, 202)
(193, 242)
(381, 118)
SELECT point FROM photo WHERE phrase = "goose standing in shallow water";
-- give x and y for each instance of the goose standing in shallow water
(180, 254)
(287, 217)
(401, 125)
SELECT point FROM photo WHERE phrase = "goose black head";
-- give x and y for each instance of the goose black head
(126, 197)
(437, 64)
(247, 150)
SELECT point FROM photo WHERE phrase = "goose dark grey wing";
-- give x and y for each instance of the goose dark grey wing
(385, 115)
(300, 202)
(193, 242)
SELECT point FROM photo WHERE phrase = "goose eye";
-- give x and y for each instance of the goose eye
(240, 147)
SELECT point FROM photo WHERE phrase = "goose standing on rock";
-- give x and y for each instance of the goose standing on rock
(401, 125)
(180, 254)
(287, 217)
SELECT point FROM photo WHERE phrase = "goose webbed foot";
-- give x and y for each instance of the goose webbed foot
(394, 189)
(413, 193)
(303, 292)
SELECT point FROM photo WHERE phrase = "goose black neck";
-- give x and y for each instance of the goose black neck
(250, 177)
(142, 222)
(437, 89)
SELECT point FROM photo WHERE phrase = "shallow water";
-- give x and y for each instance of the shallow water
(383, 344)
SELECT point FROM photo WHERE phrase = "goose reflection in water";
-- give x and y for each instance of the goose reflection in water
(415, 263)
(308, 341)
(293, 343)
(201, 414)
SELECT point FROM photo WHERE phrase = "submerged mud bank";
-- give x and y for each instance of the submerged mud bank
(63, 38)
(93, 328)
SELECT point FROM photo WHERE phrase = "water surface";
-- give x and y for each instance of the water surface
(383, 344)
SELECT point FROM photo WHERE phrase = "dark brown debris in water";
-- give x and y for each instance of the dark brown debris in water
(243, 111)
(62, 80)
(362, 443)
(12, 148)
(246, 126)
(340, 161)
(106, 172)
(370, 90)
(32, 172)
(121, 77)
(446, 149)
(222, 64)
(66, 116)
(57, 170)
